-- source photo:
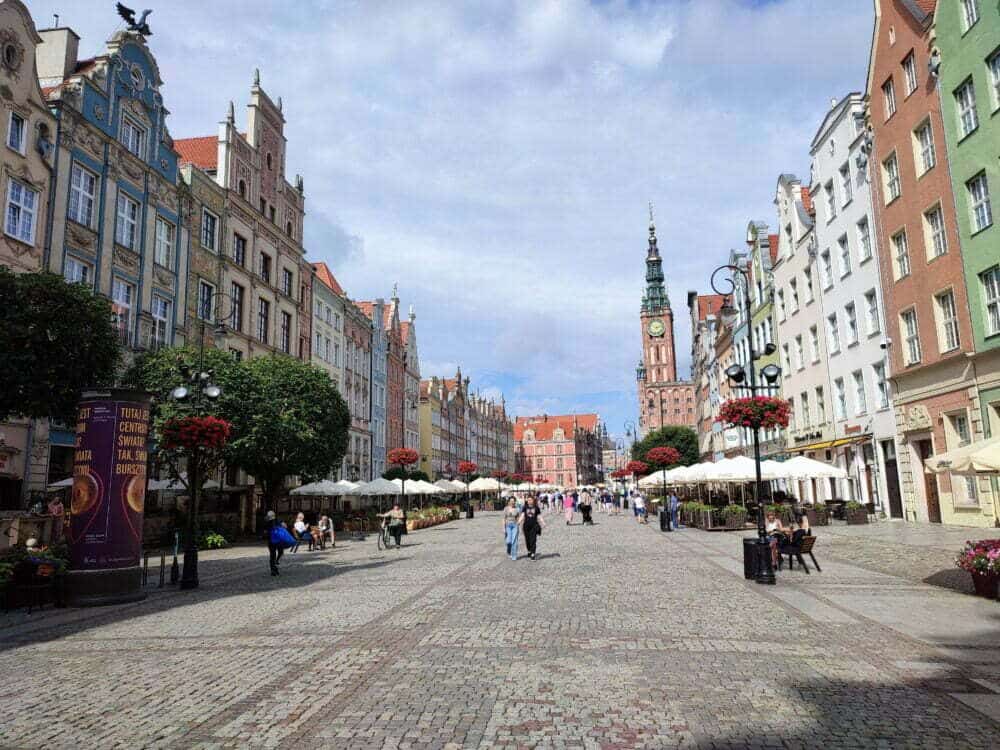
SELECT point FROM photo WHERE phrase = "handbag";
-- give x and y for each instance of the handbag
(281, 537)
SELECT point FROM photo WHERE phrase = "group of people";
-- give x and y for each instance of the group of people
(280, 537)
(778, 533)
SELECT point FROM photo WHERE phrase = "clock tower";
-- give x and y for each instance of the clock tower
(663, 399)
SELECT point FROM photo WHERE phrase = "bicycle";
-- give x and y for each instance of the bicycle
(384, 537)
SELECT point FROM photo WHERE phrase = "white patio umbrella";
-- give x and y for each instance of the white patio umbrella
(976, 458)
(802, 467)
(322, 487)
(344, 487)
(449, 486)
(426, 488)
(484, 484)
(378, 486)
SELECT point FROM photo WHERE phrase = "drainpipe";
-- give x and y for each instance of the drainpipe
(51, 208)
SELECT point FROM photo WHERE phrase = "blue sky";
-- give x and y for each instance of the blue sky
(496, 158)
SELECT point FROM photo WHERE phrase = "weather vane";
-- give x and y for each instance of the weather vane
(140, 26)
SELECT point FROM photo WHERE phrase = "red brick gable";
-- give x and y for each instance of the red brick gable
(544, 427)
(709, 304)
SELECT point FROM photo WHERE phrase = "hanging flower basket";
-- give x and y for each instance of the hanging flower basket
(761, 412)
(210, 433)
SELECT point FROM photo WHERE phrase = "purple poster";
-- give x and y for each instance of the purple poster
(109, 481)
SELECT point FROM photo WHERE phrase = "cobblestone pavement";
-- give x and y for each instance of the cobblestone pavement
(619, 636)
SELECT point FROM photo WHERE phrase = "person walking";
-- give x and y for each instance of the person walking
(510, 527)
(586, 506)
(275, 549)
(531, 523)
(568, 507)
(396, 520)
(640, 507)
(675, 507)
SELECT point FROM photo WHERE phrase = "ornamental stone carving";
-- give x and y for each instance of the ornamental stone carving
(82, 237)
(918, 418)
(126, 259)
(163, 277)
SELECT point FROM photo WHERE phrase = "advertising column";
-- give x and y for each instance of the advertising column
(109, 493)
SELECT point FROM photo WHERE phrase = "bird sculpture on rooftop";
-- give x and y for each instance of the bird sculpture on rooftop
(140, 26)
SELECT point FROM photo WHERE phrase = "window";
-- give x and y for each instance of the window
(994, 65)
(127, 221)
(804, 409)
(161, 320)
(832, 334)
(881, 385)
(923, 141)
(263, 206)
(851, 317)
(238, 293)
(793, 288)
(991, 298)
(831, 201)
(286, 281)
(82, 190)
(979, 201)
(164, 243)
(786, 360)
(800, 357)
(840, 399)
(76, 271)
(890, 178)
(960, 425)
(236, 354)
(813, 344)
(965, 100)
(826, 269)
(241, 188)
(781, 304)
(270, 213)
(263, 320)
(872, 325)
(937, 240)
(860, 399)
(947, 319)
(807, 273)
(16, 132)
(206, 298)
(265, 267)
(889, 98)
(910, 73)
(845, 183)
(122, 294)
(209, 226)
(134, 137)
(820, 406)
(845, 256)
(240, 250)
(911, 339)
(901, 255)
(22, 205)
(970, 14)
(285, 340)
(864, 240)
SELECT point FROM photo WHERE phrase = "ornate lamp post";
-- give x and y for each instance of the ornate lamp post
(727, 285)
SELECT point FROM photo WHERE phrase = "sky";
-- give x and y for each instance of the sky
(496, 158)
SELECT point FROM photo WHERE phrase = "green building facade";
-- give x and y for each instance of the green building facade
(967, 38)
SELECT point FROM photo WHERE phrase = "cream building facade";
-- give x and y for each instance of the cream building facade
(329, 311)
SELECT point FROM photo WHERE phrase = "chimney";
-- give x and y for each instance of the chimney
(55, 57)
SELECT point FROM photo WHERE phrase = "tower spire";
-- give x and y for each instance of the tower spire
(655, 297)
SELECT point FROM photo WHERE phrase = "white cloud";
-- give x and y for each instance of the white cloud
(496, 157)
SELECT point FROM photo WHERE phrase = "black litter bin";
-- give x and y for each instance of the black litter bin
(665, 520)
(470, 511)
(750, 558)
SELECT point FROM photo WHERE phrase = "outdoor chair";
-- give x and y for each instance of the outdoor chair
(799, 546)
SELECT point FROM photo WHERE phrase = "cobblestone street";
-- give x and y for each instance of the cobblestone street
(619, 636)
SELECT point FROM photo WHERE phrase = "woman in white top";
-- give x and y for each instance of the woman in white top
(301, 532)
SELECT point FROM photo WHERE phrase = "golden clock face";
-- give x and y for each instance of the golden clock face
(656, 328)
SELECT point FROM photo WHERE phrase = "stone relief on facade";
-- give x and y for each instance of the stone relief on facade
(918, 418)
(163, 277)
(12, 52)
(82, 237)
(126, 259)
(19, 249)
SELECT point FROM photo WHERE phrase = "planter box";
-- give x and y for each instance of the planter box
(704, 520)
(856, 516)
(985, 584)
(818, 516)
(734, 521)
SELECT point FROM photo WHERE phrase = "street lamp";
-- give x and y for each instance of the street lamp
(737, 374)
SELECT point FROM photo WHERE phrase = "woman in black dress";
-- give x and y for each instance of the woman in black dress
(532, 523)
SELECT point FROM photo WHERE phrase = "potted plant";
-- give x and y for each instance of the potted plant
(818, 515)
(982, 560)
(734, 516)
(855, 513)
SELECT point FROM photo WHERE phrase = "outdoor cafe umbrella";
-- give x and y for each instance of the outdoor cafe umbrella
(484, 484)
(976, 458)
(322, 487)
(449, 486)
(802, 467)
(344, 487)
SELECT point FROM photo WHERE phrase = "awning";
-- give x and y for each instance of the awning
(976, 458)
(828, 444)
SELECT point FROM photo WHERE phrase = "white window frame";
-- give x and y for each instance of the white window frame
(851, 319)
(831, 201)
(209, 218)
(20, 213)
(846, 186)
(872, 323)
(970, 14)
(123, 299)
(979, 202)
(839, 400)
(813, 344)
(82, 200)
(76, 271)
(826, 269)
(909, 327)
(900, 254)
(888, 98)
(832, 334)
(800, 355)
(163, 246)
(126, 220)
(890, 178)
(910, 73)
(993, 64)
(923, 147)
(133, 137)
(864, 239)
(934, 230)
(820, 405)
(946, 315)
(807, 274)
(860, 394)
(990, 283)
(205, 305)
(965, 107)
(881, 385)
(793, 290)
(160, 308)
(21, 131)
(844, 245)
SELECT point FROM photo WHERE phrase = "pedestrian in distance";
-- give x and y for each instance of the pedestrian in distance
(586, 506)
(395, 519)
(675, 507)
(278, 538)
(640, 507)
(511, 514)
(531, 523)
(568, 507)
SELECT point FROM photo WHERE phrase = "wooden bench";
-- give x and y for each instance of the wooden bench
(796, 551)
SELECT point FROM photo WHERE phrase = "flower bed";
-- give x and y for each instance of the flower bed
(427, 517)
(982, 560)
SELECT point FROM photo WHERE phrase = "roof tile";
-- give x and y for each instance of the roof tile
(203, 152)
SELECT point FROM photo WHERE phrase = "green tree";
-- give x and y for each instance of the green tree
(57, 340)
(683, 439)
(396, 472)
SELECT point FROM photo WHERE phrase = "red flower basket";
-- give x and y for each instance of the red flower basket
(635, 468)
(210, 433)
(467, 467)
(403, 456)
(663, 455)
(756, 412)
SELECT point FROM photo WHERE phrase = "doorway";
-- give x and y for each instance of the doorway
(925, 449)
(892, 479)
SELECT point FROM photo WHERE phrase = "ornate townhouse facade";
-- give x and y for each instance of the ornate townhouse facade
(358, 363)
(564, 450)
(395, 377)
(375, 312)
(329, 312)
(762, 249)
(411, 385)
(705, 323)
(28, 160)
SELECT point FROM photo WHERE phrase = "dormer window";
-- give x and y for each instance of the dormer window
(133, 137)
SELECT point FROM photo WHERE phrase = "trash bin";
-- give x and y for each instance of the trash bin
(470, 511)
(665, 520)
(750, 561)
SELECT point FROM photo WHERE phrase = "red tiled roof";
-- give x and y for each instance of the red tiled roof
(772, 245)
(202, 152)
(709, 304)
(324, 274)
(544, 427)
(807, 202)
(368, 308)
(927, 6)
